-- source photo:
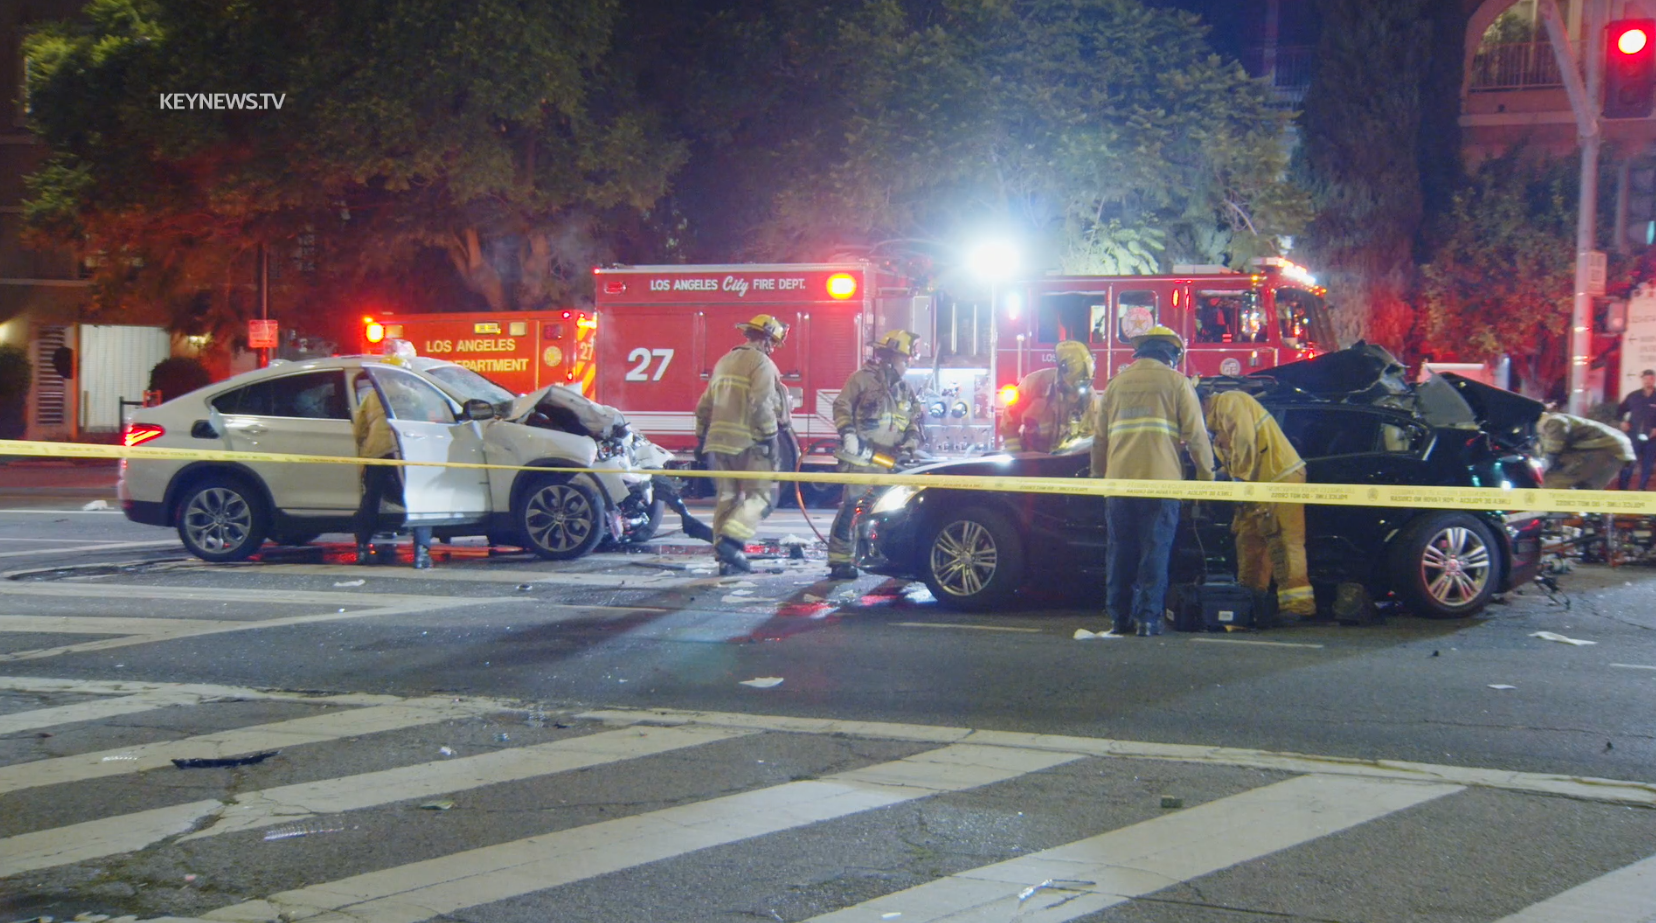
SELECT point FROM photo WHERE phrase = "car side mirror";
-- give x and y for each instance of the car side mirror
(478, 409)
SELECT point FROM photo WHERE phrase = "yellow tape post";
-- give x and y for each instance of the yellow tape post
(1515, 500)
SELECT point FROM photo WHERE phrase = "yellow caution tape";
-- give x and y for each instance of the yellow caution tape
(1509, 500)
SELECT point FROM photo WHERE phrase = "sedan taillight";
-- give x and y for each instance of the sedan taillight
(140, 433)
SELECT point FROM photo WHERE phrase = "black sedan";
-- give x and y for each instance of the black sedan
(1353, 420)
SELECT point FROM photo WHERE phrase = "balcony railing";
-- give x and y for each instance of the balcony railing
(1515, 66)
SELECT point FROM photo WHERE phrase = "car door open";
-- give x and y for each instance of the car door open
(424, 423)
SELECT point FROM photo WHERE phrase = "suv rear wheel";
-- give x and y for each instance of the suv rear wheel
(221, 518)
(1446, 565)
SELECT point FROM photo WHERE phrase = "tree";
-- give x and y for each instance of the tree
(1105, 131)
(1360, 160)
(1502, 277)
(485, 133)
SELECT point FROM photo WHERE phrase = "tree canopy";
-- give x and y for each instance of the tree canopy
(488, 152)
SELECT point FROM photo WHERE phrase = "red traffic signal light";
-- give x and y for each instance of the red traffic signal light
(1629, 68)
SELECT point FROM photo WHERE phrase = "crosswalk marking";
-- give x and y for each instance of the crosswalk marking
(641, 581)
(1615, 791)
(293, 803)
(1627, 895)
(274, 736)
(105, 625)
(1113, 868)
(421, 890)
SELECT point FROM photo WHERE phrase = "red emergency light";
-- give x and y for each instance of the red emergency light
(1008, 395)
(842, 285)
(373, 332)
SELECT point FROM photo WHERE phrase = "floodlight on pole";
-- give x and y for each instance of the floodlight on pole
(993, 260)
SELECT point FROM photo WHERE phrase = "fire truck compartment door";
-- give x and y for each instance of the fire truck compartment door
(428, 430)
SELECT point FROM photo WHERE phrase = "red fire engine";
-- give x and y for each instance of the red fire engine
(521, 351)
(665, 326)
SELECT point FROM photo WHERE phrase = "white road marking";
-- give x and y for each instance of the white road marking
(294, 803)
(102, 625)
(422, 890)
(1115, 867)
(59, 541)
(1627, 895)
(1581, 788)
(439, 574)
(958, 625)
(103, 546)
(1634, 666)
(78, 512)
(133, 697)
(1256, 643)
(241, 741)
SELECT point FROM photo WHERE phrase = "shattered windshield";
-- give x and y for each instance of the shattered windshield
(466, 385)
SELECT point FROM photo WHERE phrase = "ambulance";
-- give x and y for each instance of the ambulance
(522, 351)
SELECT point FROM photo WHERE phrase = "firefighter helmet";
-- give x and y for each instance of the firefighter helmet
(899, 343)
(765, 325)
(1075, 362)
(1161, 334)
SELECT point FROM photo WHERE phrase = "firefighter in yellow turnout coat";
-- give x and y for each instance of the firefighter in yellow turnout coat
(738, 422)
(1054, 405)
(1270, 537)
(876, 413)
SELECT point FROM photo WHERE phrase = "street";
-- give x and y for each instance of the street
(505, 738)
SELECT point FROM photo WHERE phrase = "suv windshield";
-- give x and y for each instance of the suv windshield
(466, 385)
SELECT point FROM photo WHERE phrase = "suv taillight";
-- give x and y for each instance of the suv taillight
(140, 433)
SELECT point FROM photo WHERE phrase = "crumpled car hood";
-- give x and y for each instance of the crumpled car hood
(568, 406)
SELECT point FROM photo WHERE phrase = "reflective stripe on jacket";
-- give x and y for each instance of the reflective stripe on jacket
(1143, 415)
(1248, 441)
(743, 403)
(1046, 415)
(1563, 432)
(882, 413)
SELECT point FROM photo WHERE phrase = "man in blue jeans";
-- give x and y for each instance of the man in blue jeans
(1637, 413)
(1144, 415)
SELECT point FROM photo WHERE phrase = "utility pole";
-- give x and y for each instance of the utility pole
(1585, 101)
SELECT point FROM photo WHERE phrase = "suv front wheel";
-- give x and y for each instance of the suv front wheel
(560, 519)
(222, 519)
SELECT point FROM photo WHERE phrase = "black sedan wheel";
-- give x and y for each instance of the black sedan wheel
(560, 520)
(1446, 565)
(974, 559)
(222, 519)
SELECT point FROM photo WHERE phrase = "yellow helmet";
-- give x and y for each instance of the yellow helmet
(899, 342)
(1160, 333)
(767, 325)
(1075, 362)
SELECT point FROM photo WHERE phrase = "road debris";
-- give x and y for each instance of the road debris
(224, 762)
(96, 505)
(442, 804)
(446, 751)
(1501, 686)
(357, 582)
(763, 682)
(1554, 636)
(292, 831)
(1172, 801)
(1082, 634)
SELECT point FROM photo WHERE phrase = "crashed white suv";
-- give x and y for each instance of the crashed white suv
(439, 411)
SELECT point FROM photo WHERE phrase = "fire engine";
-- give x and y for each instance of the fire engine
(521, 351)
(665, 326)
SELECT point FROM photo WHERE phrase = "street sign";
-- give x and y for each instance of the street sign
(261, 334)
(1594, 269)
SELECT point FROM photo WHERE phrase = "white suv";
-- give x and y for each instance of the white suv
(439, 411)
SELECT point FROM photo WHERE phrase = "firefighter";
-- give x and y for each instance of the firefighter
(876, 413)
(374, 439)
(1582, 453)
(1145, 412)
(738, 423)
(1270, 537)
(1053, 406)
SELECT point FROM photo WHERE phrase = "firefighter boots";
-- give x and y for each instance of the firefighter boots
(732, 557)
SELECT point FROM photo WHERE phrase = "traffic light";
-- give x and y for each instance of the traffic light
(1629, 68)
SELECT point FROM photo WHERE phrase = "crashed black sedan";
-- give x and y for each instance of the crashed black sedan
(1353, 418)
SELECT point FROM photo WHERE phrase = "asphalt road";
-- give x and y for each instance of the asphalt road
(590, 729)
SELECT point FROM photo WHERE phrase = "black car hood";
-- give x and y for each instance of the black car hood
(1508, 418)
(1361, 374)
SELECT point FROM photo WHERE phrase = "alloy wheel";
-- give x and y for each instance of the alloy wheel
(218, 519)
(963, 558)
(559, 518)
(1455, 566)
